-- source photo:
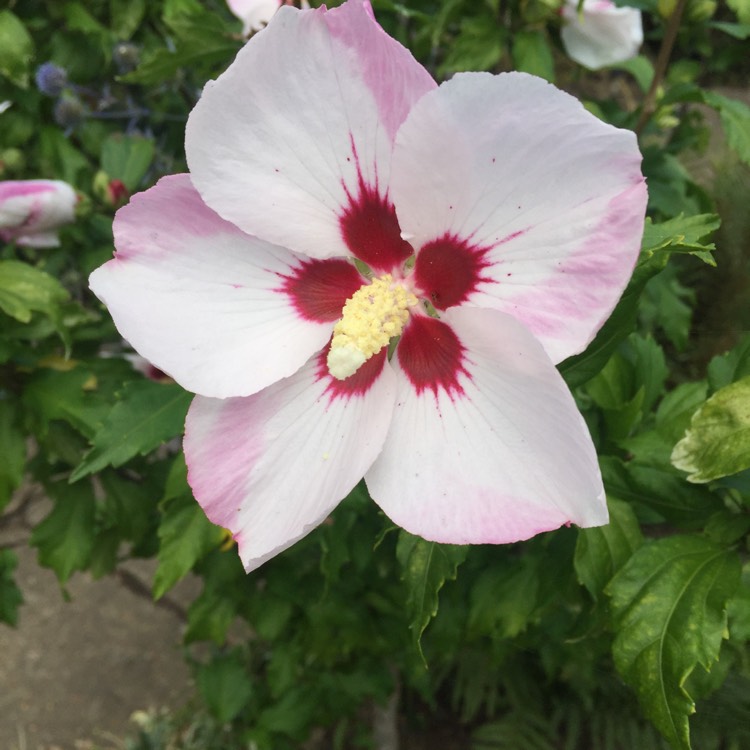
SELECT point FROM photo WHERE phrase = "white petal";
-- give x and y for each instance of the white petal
(301, 125)
(601, 34)
(499, 457)
(272, 466)
(549, 199)
(200, 299)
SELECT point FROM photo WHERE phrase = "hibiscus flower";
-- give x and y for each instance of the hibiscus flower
(31, 211)
(366, 274)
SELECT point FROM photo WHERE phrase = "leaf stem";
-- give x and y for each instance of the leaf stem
(662, 62)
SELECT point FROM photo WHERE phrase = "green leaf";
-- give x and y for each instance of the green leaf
(202, 38)
(224, 685)
(683, 234)
(25, 290)
(741, 8)
(654, 447)
(185, 534)
(668, 304)
(660, 490)
(16, 49)
(532, 54)
(126, 17)
(425, 567)
(77, 18)
(10, 594)
(735, 119)
(730, 366)
(147, 415)
(601, 551)
(641, 68)
(65, 538)
(717, 443)
(669, 610)
(478, 46)
(12, 450)
(504, 598)
(127, 158)
(65, 394)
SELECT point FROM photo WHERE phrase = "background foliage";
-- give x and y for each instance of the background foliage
(609, 637)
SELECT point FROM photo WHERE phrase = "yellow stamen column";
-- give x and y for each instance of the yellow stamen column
(371, 317)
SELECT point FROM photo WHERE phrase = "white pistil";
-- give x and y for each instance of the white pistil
(371, 317)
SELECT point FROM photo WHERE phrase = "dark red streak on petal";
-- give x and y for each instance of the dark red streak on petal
(431, 356)
(319, 288)
(355, 385)
(370, 229)
(448, 270)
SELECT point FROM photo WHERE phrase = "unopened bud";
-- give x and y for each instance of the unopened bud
(69, 111)
(12, 161)
(125, 57)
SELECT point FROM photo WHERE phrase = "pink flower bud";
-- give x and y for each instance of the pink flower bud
(31, 211)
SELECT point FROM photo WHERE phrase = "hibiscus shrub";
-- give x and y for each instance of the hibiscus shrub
(586, 635)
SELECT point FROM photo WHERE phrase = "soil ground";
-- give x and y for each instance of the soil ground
(73, 672)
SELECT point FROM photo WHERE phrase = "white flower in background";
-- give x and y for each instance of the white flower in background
(4, 106)
(31, 211)
(600, 34)
(255, 14)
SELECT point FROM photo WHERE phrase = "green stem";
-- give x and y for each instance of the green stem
(662, 62)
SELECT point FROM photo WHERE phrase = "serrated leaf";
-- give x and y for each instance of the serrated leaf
(425, 567)
(717, 443)
(147, 415)
(16, 49)
(185, 534)
(601, 551)
(10, 595)
(682, 234)
(65, 538)
(669, 610)
(224, 685)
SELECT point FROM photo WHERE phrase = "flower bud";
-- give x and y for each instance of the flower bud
(126, 56)
(69, 111)
(31, 211)
(12, 161)
(51, 79)
(111, 192)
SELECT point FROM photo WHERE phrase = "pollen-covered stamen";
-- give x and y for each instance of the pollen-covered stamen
(371, 317)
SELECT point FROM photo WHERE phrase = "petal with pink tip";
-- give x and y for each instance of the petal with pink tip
(221, 312)
(272, 466)
(498, 458)
(293, 142)
(545, 202)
